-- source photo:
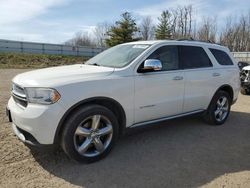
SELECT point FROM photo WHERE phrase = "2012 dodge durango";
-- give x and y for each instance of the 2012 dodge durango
(86, 107)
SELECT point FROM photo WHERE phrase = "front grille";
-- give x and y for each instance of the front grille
(19, 95)
(245, 75)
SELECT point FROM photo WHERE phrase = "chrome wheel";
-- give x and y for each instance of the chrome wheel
(222, 109)
(93, 135)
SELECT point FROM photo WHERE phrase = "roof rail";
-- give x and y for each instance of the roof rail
(192, 39)
(186, 39)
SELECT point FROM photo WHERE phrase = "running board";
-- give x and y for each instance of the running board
(166, 118)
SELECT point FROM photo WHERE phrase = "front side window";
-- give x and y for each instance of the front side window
(193, 57)
(168, 55)
(221, 57)
(118, 56)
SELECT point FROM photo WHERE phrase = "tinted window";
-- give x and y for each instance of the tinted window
(193, 57)
(221, 57)
(168, 55)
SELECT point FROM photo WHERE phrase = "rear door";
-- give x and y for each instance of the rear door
(200, 79)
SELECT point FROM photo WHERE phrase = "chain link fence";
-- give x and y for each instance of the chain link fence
(58, 49)
(242, 56)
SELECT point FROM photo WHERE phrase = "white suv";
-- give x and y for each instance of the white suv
(85, 107)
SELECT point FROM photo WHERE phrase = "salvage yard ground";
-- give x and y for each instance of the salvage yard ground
(178, 153)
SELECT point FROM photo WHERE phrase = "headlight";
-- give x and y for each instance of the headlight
(42, 95)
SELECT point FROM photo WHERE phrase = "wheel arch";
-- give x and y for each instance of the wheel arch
(227, 88)
(109, 103)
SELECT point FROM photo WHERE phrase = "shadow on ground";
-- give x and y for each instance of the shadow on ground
(177, 153)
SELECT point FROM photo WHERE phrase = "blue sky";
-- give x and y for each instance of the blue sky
(56, 21)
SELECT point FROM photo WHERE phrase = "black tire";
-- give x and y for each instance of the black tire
(245, 91)
(68, 138)
(210, 116)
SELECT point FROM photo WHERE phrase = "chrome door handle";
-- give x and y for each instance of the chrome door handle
(216, 74)
(178, 78)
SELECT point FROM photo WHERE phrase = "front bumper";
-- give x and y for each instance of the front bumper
(25, 136)
(8, 114)
(35, 124)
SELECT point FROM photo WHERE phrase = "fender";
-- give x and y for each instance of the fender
(92, 100)
(226, 88)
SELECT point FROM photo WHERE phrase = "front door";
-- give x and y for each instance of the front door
(160, 94)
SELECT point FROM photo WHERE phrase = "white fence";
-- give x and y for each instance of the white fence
(242, 56)
(44, 48)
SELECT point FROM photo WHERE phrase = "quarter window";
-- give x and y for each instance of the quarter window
(221, 57)
(193, 57)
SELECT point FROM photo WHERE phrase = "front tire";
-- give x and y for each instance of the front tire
(89, 133)
(219, 109)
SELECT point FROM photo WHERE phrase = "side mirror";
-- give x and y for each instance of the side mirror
(151, 65)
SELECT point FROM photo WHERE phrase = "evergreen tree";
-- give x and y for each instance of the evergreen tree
(123, 31)
(163, 30)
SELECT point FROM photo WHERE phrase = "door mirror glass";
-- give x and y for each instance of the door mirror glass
(151, 65)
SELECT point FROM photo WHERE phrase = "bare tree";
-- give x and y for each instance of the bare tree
(182, 22)
(100, 33)
(190, 14)
(236, 34)
(226, 37)
(208, 30)
(147, 28)
(174, 13)
(81, 39)
(194, 30)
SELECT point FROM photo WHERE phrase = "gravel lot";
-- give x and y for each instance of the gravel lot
(178, 153)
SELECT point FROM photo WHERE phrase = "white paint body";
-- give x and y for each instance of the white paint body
(143, 96)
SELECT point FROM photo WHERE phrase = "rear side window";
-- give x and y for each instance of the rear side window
(193, 57)
(221, 57)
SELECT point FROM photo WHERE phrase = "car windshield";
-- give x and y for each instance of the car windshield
(118, 56)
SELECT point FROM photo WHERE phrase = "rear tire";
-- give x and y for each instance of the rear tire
(219, 109)
(89, 133)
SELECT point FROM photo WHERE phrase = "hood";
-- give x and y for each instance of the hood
(54, 76)
(246, 68)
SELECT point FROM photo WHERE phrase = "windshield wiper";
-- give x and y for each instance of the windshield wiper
(95, 64)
